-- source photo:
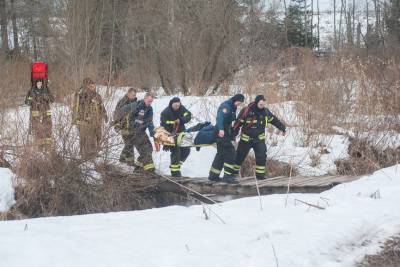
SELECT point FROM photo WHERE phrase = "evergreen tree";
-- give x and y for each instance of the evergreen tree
(299, 28)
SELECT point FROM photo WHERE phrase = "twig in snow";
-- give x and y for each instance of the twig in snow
(376, 194)
(290, 180)
(187, 247)
(273, 250)
(326, 200)
(309, 204)
(205, 213)
(258, 192)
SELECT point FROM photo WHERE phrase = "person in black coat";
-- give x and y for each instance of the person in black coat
(173, 119)
(253, 121)
(225, 157)
(139, 119)
(121, 125)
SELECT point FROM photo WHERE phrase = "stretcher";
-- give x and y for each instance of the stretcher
(201, 135)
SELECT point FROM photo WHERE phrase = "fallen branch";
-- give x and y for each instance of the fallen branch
(309, 204)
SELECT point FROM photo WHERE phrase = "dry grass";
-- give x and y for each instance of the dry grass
(274, 168)
(365, 157)
(51, 185)
(388, 257)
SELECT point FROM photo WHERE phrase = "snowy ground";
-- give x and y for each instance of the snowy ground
(357, 216)
(6, 189)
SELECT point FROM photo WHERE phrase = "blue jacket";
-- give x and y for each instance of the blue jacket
(206, 135)
(140, 117)
(226, 114)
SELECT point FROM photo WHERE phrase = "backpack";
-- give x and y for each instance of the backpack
(39, 70)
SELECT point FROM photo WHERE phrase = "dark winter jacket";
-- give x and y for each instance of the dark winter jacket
(120, 121)
(206, 135)
(39, 100)
(140, 117)
(88, 108)
(226, 114)
(174, 121)
(253, 122)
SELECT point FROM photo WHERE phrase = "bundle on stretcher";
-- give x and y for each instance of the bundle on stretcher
(202, 134)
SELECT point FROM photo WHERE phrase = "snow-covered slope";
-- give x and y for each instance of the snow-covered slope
(356, 217)
(6, 189)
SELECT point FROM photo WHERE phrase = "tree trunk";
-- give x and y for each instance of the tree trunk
(14, 27)
(3, 24)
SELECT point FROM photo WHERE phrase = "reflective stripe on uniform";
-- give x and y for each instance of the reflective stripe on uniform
(236, 167)
(261, 136)
(48, 112)
(260, 169)
(185, 114)
(35, 113)
(180, 137)
(138, 163)
(170, 122)
(175, 167)
(129, 159)
(229, 166)
(268, 120)
(213, 170)
(148, 166)
(245, 137)
(226, 172)
(30, 98)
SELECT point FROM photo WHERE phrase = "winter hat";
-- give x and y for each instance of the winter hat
(238, 97)
(174, 100)
(258, 99)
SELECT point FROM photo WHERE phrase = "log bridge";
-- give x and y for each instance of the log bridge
(204, 190)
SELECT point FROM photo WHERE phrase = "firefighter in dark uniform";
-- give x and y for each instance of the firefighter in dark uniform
(225, 157)
(39, 99)
(140, 118)
(89, 114)
(173, 119)
(253, 121)
(121, 124)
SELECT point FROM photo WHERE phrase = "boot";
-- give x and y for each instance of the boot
(176, 174)
(229, 180)
(214, 178)
(261, 177)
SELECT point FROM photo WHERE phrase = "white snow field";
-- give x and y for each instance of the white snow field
(6, 190)
(357, 216)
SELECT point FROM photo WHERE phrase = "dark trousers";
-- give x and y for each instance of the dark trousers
(260, 151)
(89, 139)
(41, 128)
(128, 152)
(224, 159)
(143, 145)
(178, 157)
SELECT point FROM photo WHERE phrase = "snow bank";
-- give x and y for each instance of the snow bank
(6, 189)
(356, 217)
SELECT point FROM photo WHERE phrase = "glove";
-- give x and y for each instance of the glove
(166, 148)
